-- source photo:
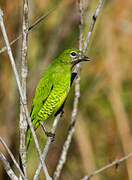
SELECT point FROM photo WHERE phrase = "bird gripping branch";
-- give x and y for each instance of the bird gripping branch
(53, 88)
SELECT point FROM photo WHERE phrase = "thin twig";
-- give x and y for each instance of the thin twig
(63, 155)
(46, 148)
(114, 163)
(77, 87)
(41, 19)
(30, 27)
(24, 71)
(7, 167)
(71, 130)
(21, 93)
(94, 18)
(81, 10)
(12, 157)
(67, 143)
(11, 43)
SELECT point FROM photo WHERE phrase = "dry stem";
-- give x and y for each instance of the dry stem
(92, 25)
(21, 93)
(114, 163)
(12, 157)
(47, 146)
(66, 145)
(7, 167)
(23, 121)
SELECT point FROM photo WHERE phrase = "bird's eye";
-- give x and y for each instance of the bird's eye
(73, 53)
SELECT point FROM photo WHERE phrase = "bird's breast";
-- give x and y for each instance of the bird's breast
(54, 100)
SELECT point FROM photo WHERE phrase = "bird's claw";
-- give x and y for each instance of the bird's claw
(51, 135)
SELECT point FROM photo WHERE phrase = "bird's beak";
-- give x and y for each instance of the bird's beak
(84, 58)
(80, 59)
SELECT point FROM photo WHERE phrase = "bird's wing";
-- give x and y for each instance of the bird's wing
(43, 90)
(74, 74)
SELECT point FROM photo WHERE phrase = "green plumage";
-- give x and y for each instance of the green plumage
(52, 89)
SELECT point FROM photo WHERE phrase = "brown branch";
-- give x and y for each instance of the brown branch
(7, 167)
(47, 146)
(92, 25)
(67, 143)
(77, 86)
(114, 163)
(53, 48)
(21, 94)
(24, 71)
(81, 11)
(41, 19)
(12, 157)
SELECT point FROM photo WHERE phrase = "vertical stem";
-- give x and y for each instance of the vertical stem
(77, 85)
(78, 67)
(12, 157)
(86, 43)
(67, 143)
(23, 122)
(47, 146)
(21, 94)
(7, 167)
(81, 10)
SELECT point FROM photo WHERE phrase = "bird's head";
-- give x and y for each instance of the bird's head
(72, 57)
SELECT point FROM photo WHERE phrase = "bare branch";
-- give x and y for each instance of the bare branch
(92, 25)
(46, 149)
(41, 19)
(77, 86)
(114, 163)
(71, 130)
(63, 156)
(12, 157)
(67, 143)
(31, 27)
(81, 10)
(24, 71)
(21, 94)
(11, 43)
(7, 167)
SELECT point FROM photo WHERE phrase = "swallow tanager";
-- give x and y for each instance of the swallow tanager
(53, 88)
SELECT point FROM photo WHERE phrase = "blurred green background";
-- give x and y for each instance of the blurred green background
(104, 127)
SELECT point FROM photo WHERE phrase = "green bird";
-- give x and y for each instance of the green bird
(53, 89)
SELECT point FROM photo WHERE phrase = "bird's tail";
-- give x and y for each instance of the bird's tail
(28, 140)
(20, 163)
(28, 137)
(29, 133)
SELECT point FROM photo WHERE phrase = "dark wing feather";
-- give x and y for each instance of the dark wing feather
(43, 90)
(72, 78)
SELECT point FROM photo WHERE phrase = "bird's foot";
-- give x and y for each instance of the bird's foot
(51, 135)
(48, 134)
